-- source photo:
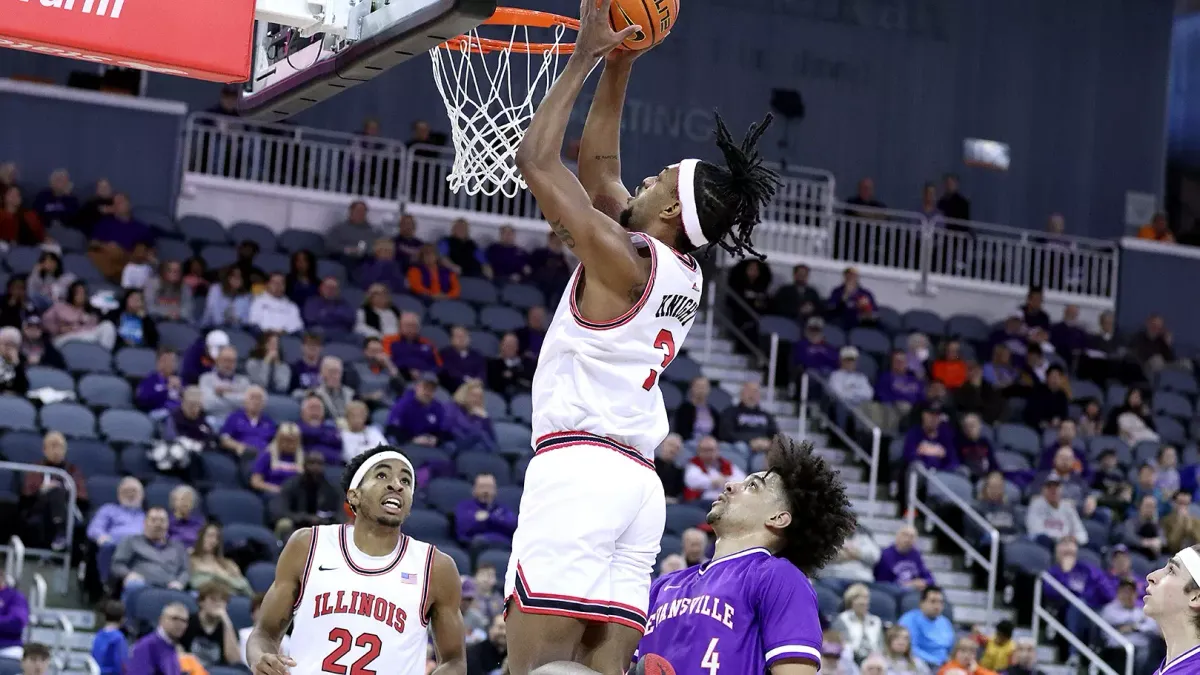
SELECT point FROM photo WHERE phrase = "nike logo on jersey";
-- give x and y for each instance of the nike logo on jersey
(322, 568)
(680, 307)
(670, 587)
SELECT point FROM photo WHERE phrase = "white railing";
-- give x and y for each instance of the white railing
(16, 550)
(14, 564)
(990, 563)
(871, 458)
(803, 220)
(1041, 614)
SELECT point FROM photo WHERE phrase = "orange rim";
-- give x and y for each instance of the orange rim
(513, 16)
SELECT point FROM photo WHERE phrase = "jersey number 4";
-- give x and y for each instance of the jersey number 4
(711, 661)
(344, 640)
(664, 341)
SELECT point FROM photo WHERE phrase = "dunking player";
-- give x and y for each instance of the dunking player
(362, 595)
(593, 511)
(1173, 601)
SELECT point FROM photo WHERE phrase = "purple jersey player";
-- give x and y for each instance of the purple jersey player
(1173, 600)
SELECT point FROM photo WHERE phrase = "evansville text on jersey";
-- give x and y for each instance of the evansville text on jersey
(704, 605)
(681, 307)
(362, 604)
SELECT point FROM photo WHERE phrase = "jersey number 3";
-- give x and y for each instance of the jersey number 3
(344, 640)
(664, 341)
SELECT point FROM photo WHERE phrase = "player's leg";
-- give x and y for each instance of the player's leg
(539, 639)
(610, 646)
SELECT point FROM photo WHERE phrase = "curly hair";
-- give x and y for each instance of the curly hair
(356, 463)
(822, 518)
(729, 198)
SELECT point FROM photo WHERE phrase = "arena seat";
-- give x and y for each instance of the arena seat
(72, 419)
(231, 505)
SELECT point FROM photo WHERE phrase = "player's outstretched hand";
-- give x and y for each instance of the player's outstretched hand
(596, 36)
(273, 664)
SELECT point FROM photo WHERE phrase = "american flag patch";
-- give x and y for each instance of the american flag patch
(406, 578)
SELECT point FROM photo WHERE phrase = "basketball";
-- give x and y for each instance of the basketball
(652, 664)
(656, 17)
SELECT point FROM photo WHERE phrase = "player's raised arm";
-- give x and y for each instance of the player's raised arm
(600, 147)
(601, 244)
(445, 617)
(263, 645)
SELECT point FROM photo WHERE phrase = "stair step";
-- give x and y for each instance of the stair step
(82, 619)
(966, 598)
(698, 342)
(1046, 653)
(970, 615)
(79, 640)
(938, 563)
(853, 473)
(722, 359)
(834, 456)
(882, 525)
(819, 439)
(882, 509)
(857, 489)
(726, 375)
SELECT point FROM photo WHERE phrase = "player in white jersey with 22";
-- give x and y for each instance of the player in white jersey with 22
(592, 513)
(363, 596)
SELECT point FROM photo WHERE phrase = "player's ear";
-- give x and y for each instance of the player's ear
(352, 498)
(671, 212)
(780, 520)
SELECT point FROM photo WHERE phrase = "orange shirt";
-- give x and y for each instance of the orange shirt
(423, 281)
(1147, 232)
(953, 374)
(955, 665)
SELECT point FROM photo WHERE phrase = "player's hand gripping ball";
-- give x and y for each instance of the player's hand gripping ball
(656, 17)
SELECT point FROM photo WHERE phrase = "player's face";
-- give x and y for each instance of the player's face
(1165, 597)
(756, 502)
(656, 199)
(385, 495)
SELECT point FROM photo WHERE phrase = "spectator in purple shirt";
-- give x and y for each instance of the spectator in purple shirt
(248, 430)
(412, 353)
(57, 203)
(533, 334)
(417, 417)
(1013, 336)
(382, 268)
(317, 432)
(114, 521)
(850, 303)
(306, 372)
(899, 390)
(159, 391)
(1082, 579)
(1068, 336)
(480, 521)
(280, 461)
(115, 236)
(408, 244)
(467, 422)
(459, 362)
(201, 355)
(158, 652)
(184, 523)
(901, 563)
(812, 352)
(327, 310)
(1120, 568)
(931, 442)
(509, 262)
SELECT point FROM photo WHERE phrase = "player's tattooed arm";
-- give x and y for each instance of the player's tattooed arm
(445, 616)
(275, 616)
(562, 233)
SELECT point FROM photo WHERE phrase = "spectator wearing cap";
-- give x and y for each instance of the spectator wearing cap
(974, 449)
(459, 361)
(45, 501)
(931, 442)
(1125, 613)
(317, 432)
(902, 564)
(359, 435)
(1081, 578)
(250, 429)
(201, 356)
(849, 385)
(13, 379)
(228, 302)
(327, 310)
(1142, 532)
(747, 422)
(1049, 517)
(429, 277)
(351, 237)
(1065, 469)
(1049, 403)
(812, 352)
(931, 631)
(510, 263)
(797, 300)
(898, 391)
(273, 310)
(481, 521)
(418, 417)
(382, 268)
(696, 417)
(412, 353)
(160, 391)
(1120, 568)
(667, 467)
(994, 506)
(851, 304)
(706, 474)
(115, 236)
(36, 348)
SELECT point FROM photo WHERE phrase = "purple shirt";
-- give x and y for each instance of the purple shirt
(153, 655)
(475, 520)
(324, 438)
(819, 357)
(240, 428)
(122, 233)
(1187, 663)
(328, 314)
(1083, 580)
(458, 366)
(898, 568)
(387, 272)
(305, 375)
(507, 261)
(185, 531)
(415, 354)
(745, 611)
(893, 388)
(154, 394)
(14, 616)
(918, 447)
(409, 418)
(277, 474)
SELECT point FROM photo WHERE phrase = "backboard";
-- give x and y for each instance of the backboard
(293, 68)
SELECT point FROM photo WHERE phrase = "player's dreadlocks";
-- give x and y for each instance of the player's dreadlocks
(822, 518)
(356, 463)
(729, 198)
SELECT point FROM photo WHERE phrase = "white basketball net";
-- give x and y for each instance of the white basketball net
(489, 112)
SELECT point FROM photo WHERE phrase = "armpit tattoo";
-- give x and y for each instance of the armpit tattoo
(604, 157)
(562, 233)
(635, 293)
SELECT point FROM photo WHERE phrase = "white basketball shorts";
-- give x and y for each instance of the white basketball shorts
(591, 519)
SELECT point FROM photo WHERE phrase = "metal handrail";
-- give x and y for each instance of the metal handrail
(722, 287)
(991, 563)
(1042, 614)
(16, 548)
(871, 458)
(14, 564)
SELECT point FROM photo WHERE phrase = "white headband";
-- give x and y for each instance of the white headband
(687, 200)
(1191, 561)
(376, 459)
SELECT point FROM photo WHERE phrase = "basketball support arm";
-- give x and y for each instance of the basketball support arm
(342, 18)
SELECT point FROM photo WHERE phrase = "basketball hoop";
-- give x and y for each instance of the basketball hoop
(489, 112)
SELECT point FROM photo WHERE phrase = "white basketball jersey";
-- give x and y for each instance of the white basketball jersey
(602, 377)
(359, 614)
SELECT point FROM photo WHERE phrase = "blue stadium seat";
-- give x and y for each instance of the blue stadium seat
(784, 326)
(520, 467)
(672, 395)
(682, 370)
(828, 602)
(273, 262)
(1146, 452)
(409, 303)
(156, 220)
(301, 240)
(520, 408)
(514, 439)
(1082, 390)
(485, 342)
(883, 606)
(177, 336)
(420, 456)
(1018, 438)
(888, 318)
(871, 341)
(81, 266)
(127, 426)
(1098, 536)
(93, 458)
(173, 249)
(835, 336)
(683, 516)
(1172, 405)
(452, 313)
(72, 419)
(242, 341)
(102, 489)
(1114, 397)
(45, 376)
(477, 291)
(957, 484)
(17, 414)
(203, 231)
(510, 496)
(108, 391)
(495, 557)
(22, 259)
(218, 256)
(444, 494)
(135, 362)
(427, 525)
(1178, 381)
(136, 462)
(471, 464)
(231, 505)
(235, 534)
(283, 408)
(1102, 443)
(497, 407)
(501, 319)
(720, 399)
(255, 232)
(331, 268)
(923, 321)
(69, 239)
(220, 469)
(461, 560)
(522, 296)
(262, 574)
(22, 446)
(239, 615)
(436, 334)
(158, 493)
(151, 601)
(666, 546)
(1170, 430)
(1012, 461)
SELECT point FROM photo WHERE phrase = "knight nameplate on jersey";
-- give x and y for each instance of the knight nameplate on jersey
(361, 604)
(681, 307)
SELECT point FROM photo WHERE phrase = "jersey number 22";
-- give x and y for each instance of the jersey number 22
(665, 341)
(344, 640)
